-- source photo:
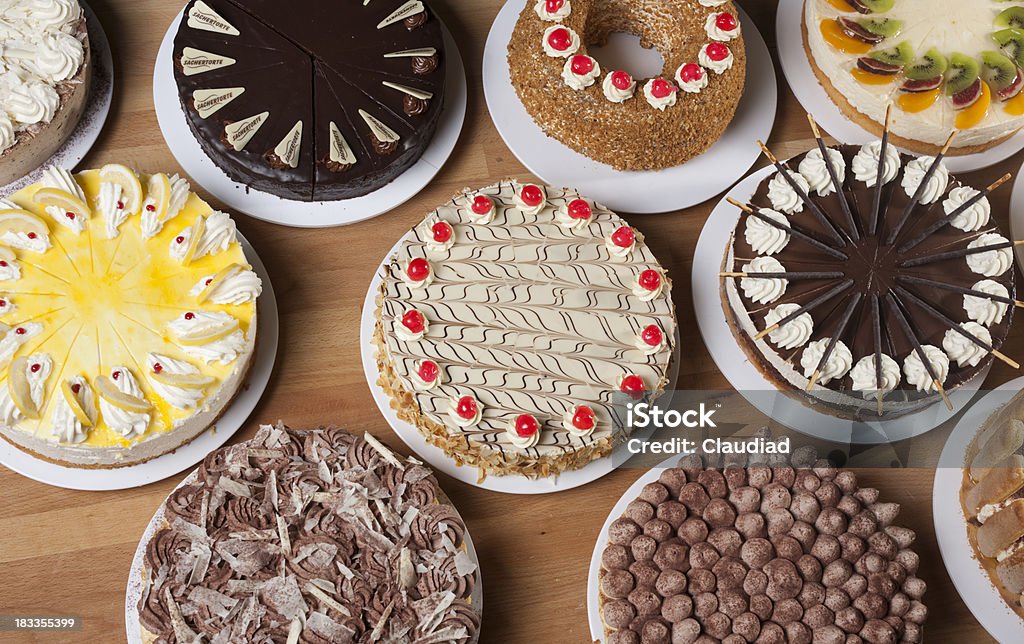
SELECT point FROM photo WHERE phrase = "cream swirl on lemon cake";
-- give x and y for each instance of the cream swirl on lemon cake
(127, 316)
(511, 316)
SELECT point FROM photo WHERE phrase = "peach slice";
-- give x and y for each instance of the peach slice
(842, 5)
(1015, 106)
(867, 78)
(918, 101)
(971, 116)
(835, 36)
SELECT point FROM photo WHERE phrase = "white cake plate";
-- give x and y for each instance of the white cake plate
(970, 579)
(1017, 215)
(748, 380)
(306, 214)
(161, 467)
(676, 188)
(133, 591)
(97, 108)
(797, 68)
(414, 440)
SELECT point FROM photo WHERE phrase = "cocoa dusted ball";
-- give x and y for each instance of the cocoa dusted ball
(624, 637)
(618, 613)
(705, 604)
(771, 633)
(658, 530)
(752, 524)
(830, 634)
(677, 608)
(703, 555)
(746, 499)
(656, 632)
(757, 552)
(674, 481)
(645, 573)
(719, 513)
(775, 496)
(784, 581)
(654, 494)
(872, 606)
(877, 631)
(755, 583)
(623, 531)
(718, 625)
(615, 557)
(673, 556)
(670, 582)
(787, 547)
(747, 625)
(643, 548)
(730, 573)
(805, 507)
(694, 497)
(714, 483)
(818, 616)
(759, 476)
(686, 631)
(673, 513)
(787, 610)
(727, 541)
(762, 606)
(828, 494)
(617, 583)
(798, 633)
(639, 511)
(849, 619)
(693, 531)
(701, 580)
(645, 601)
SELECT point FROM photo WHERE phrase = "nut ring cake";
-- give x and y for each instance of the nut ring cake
(127, 316)
(312, 536)
(509, 319)
(902, 286)
(607, 115)
(311, 100)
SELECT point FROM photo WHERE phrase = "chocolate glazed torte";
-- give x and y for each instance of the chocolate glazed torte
(310, 100)
(312, 536)
(905, 290)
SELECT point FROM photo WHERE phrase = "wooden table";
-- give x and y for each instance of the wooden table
(69, 552)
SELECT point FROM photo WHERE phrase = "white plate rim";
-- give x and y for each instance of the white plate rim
(234, 417)
(1017, 215)
(306, 214)
(808, 91)
(632, 192)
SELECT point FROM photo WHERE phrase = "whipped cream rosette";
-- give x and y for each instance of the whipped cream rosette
(125, 329)
(505, 348)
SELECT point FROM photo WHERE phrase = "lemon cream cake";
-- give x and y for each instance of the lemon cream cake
(127, 316)
(606, 114)
(45, 76)
(510, 319)
(944, 66)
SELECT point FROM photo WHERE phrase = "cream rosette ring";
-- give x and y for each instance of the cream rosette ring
(509, 320)
(127, 316)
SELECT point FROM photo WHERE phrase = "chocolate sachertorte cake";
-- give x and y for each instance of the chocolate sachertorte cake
(902, 286)
(310, 100)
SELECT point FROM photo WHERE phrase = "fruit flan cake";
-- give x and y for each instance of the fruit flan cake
(760, 554)
(45, 76)
(309, 536)
(992, 498)
(606, 114)
(311, 101)
(875, 299)
(509, 320)
(127, 316)
(951, 66)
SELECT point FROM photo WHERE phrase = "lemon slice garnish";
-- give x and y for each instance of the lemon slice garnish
(198, 228)
(159, 190)
(6, 254)
(208, 336)
(21, 392)
(21, 221)
(224, 274)
(131, 187)
(63, 200)
(183, 380)
(108, 391)
(76, 406)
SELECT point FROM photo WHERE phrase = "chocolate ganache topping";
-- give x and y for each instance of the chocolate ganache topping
(309, 536)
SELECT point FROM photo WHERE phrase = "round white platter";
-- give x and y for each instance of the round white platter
(732, 361)
(97, 108)
(970, 579)
(435, 456)
(234, 417)
(134, 589)
(797, 68)
(639, 192)
(306, 214)
(1017, 215)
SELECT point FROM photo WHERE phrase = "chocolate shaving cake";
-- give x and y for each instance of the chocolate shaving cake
(309, 536)
(759, 553)
(899, 284)
(308, 100)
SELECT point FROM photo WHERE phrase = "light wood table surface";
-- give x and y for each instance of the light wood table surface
(68, 552)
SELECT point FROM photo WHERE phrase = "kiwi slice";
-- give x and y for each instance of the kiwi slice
(1012, 17)
(998, 70)
(878, 6)
(932, 64)
(884, 27)
(963, 71)
(902, 54)
(1012, 42)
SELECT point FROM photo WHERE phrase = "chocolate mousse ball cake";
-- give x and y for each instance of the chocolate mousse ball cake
(308, 536)
(759, 554)
(875, 299)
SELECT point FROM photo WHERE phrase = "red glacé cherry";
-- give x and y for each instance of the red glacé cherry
(621, 80)
(560, 39)
(580, 209)
(691, 72)
(3, 263)
(120, 205)
(70, 215)
(157, 367)
(190, 315)
(76, 388)
(179, 240)
(584, 418)
(466, 408)
(482, 204)
(582, 65)
(31, 235)
(650, 279)
(442, 231)
(418, 269)
(20, 330)
(553, 5)
(661, 88)
(717, 51)
(116, 375)
(414, 321)
(652, 335)
(632, 384)
(623, 237)
(35, 368)
(532, 195)
(725, 21)
(3, 302)
(526, 426)
(428, 371)
(150, 208)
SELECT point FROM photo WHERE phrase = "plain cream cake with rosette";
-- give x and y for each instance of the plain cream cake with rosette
(509, 319)
(127, 316)
(44, 80)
